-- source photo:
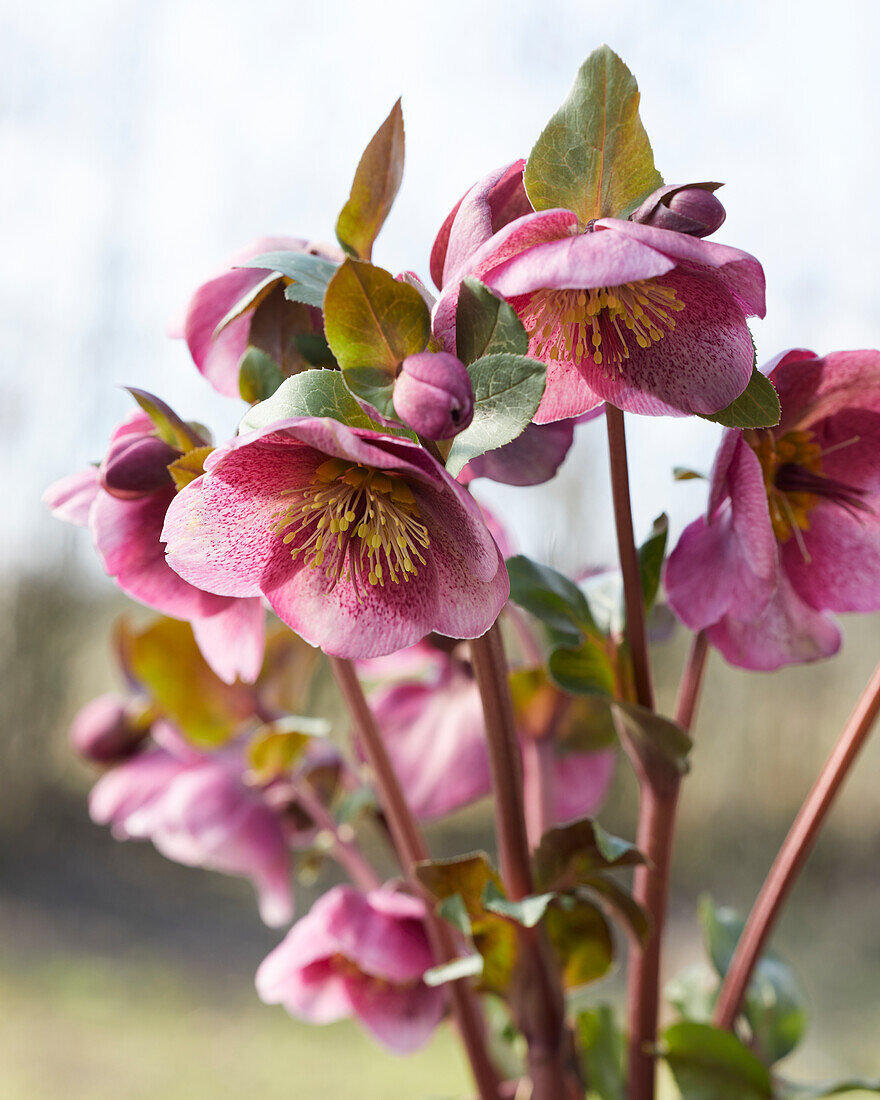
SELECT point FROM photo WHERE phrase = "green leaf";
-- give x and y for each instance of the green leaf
(622, 903)
(527, 911)
(602, 1052)
(259, 376)
(594, 156)
(756, 407)
(468, 966)
(248, 301)
(372, 319)
(309, 275)
(682, 473)
(189, 466)
(315, 350)
(576, 853)
(507, 392)
(312, 393)
(166, 661)
(169, 427)
(454, 910)
(661, 744)
(651, 554)
(486, 324)
(586, 670)
(375, 186)
(581, 939)
(551, 597)
(710, 1064)
(775, 1003)
(374, 388)
(466, 876)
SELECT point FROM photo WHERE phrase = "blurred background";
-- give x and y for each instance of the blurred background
(142, 142)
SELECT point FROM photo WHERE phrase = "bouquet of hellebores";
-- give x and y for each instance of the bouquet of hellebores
(330, 560)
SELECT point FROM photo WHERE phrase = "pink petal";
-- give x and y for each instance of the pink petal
(401, 1019)
(318, 993)
(130, 787)
(566, 395)
(72, 497)
(218, 357)
(531, 459)
(811, 389)
(232, 641)
(787, 632)
(841, 570)
(379, 939)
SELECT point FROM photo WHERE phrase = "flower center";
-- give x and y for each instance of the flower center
(356, 524)
(793, 479)
(602, 323)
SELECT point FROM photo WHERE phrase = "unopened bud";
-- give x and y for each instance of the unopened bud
(685, 208)
(433, 395)
(137, 465)
(105, 730)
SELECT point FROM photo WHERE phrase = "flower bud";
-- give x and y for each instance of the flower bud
(433, 395)
(137, 465)
(686, 208)
(105, 730)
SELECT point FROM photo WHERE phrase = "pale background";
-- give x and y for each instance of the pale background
(143, 141)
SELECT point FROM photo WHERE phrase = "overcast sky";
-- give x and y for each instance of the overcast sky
(143, 141)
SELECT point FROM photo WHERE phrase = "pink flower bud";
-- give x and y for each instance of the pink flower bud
(105, 730)
(686, 208)
(136, 465)
(433, 395)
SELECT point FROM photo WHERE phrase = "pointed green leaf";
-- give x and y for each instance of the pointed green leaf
(581, 939)
(527, 911)
(310, 274)
(375, 186)
(259, 376)
(551, 597)
(486, 324)
(594, 156)
(577, 852)
(710, 1064)
(507, 392)
(169, 427)
(661, 744)
(756, 407)
(602, 1052)
(622, 903)
(586, 670)
(651, 554)
(682, 473)
(373, 322)
(312, 393)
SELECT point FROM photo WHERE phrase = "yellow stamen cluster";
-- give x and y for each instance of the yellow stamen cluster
(356, 524)
(601, 323)
(789, 511)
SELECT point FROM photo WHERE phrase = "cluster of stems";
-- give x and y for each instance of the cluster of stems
(521, 817)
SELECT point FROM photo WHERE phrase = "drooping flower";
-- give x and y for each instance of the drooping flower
(433, 395)
(358, 955)
(107, 729)
(197, 810)
(361, 542)
(123, 503)
(431, 717)
(690, 208)
(267, 320)
(792, 528)
(651, 320)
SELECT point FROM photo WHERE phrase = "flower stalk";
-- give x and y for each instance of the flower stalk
(412, 849)
(795, 851)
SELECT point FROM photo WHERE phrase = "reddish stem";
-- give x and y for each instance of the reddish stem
(412, 849)
(794, 852)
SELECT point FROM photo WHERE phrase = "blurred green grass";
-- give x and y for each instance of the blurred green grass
(87, 1028)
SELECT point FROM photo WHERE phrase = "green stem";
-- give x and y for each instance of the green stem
(412, 849)
(794, 852)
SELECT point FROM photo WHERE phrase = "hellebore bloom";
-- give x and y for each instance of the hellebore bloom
(433, 727)
(107, 729)
(268, 321)
(360, 955)
(686, 208)
(123, 502)
(433, 395)
(792, 528)
(198, 811)
(651, 320)
(361, 542)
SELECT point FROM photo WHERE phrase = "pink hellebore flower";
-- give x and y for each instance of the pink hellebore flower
(434, 729)
(198, 811)
(218, 354)
(123, 503)
(651, 320)
(792, 528)
(361, 542)
(360, 955)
